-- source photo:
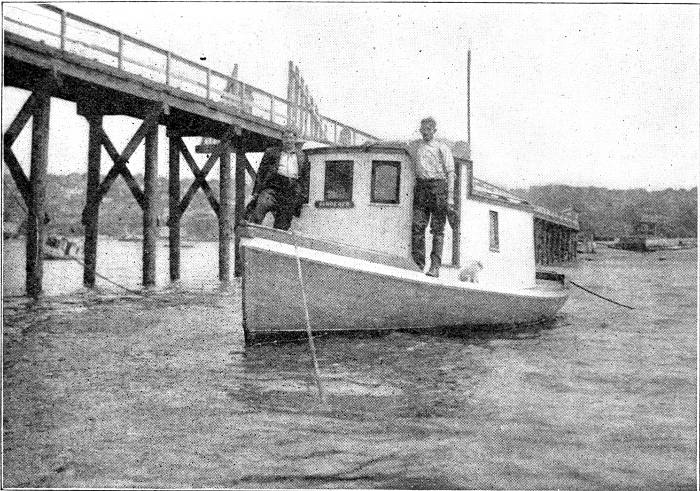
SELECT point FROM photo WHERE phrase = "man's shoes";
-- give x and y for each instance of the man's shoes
(434, 270)
(436, 256)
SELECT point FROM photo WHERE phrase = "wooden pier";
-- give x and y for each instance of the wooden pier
(555, 233)
(555, 237)
(107, 72)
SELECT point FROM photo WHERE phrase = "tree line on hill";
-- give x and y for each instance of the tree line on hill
(603, 213)
(120, 215)
(609, 213)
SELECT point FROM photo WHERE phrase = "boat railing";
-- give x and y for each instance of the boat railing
(79, 36)
(483, 187)
(568, 218)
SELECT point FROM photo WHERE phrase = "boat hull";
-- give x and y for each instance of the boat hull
(345, 294)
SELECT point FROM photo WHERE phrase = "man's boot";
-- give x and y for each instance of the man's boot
(418, 248)
(436, 256)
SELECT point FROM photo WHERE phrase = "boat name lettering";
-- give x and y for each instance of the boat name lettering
(335, 204)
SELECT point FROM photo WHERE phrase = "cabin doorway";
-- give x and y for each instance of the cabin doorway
(451, 247)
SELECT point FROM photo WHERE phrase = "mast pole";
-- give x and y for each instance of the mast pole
(469, 118)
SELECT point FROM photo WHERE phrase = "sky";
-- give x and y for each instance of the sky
(586, 95)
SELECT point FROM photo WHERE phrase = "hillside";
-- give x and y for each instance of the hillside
(605, 212)
(608, 213)
(120, 215)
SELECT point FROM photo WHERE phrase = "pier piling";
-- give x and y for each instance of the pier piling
(224, 216)
(174, 205)
(37, 193)
(91, 214)
(239, 209)
(150, 206)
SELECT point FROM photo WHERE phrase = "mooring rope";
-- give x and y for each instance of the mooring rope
(309, 334)
(24, 208)
(601, 296)
(136, 292)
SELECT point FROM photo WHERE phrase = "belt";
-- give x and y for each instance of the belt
(420, 180)
(290, 180)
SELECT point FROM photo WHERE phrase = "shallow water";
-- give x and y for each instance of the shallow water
(105, 389)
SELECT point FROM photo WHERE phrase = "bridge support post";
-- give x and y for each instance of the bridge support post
(536, 241)
(225, 216)
(239, 210)
(150, 225)
(37, 193)
(562, 257)
(91, 215)
(174, 205)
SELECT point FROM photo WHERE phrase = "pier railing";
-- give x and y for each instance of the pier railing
(568, 218)
(77, 35)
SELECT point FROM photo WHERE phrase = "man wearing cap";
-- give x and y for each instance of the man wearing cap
(433, 195)
(281, 185)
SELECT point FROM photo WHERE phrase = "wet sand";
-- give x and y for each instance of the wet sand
(104, 390)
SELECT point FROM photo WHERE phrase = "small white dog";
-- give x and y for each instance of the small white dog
(471, 271)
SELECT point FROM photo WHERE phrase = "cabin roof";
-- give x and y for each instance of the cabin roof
(356, 149)
(492, 191)
(481, 189)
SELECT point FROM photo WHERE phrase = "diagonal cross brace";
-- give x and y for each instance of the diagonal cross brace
(20, 121)
(198, 176)
(222, 147)
(13, 131)
(122, 159)
(8, 139)
(17, 173)
(249, 168)
(123, 170)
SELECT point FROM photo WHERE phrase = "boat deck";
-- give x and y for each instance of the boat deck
(391, 266)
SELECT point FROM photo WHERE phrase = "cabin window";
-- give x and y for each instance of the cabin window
(338, 186)
(386, 180)
(493, 231)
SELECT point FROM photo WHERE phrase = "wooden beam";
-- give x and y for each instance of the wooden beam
(21, 50)
(20, 121)
(251, 172)
(174, 205)
(150, 206)
(239, 207)
(224, 146)
(92, 205)
(198, 177)
(456, 225)
(37, 194)
(148, 123)
(121, 168)
(17, 174)
(224, 217)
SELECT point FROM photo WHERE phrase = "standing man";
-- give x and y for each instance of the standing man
(433, 195)
(282, 183)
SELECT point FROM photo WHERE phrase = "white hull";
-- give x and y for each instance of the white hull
(351, 293)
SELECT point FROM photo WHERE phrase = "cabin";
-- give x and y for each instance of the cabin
(348, 264)
(648, 225)
(363, 197)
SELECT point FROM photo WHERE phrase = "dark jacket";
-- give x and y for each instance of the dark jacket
(268, 169)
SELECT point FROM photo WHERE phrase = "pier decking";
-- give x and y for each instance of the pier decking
(53, 53)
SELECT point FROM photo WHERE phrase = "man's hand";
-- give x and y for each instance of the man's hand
(451, 214)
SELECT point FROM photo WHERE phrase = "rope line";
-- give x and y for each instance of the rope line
(136, 292)
(601, 296)
(309, 334)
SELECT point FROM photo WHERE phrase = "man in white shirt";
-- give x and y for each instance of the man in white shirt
(281, 184)
(433, 195)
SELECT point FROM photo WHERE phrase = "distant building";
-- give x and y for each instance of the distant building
(649, 225)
